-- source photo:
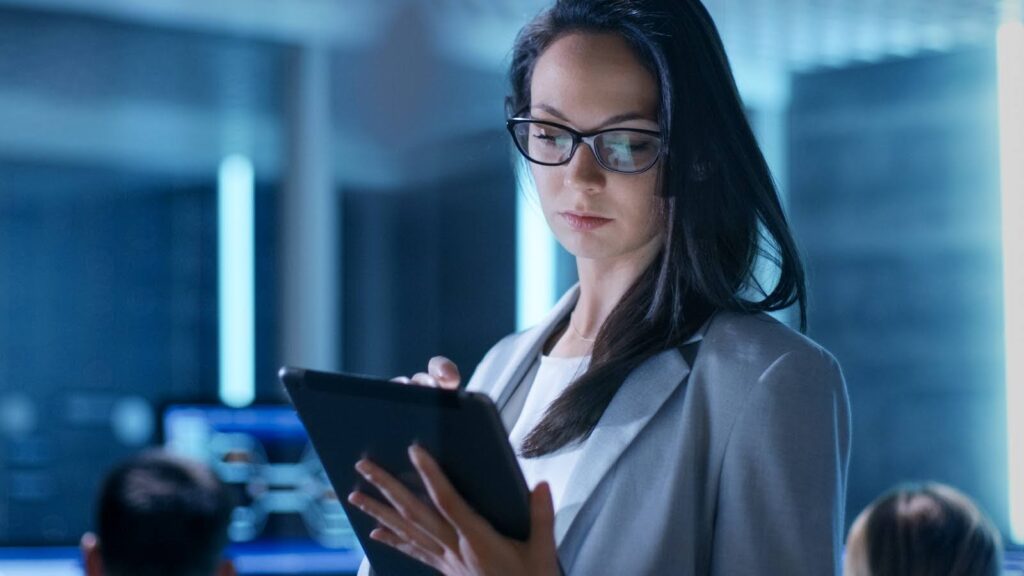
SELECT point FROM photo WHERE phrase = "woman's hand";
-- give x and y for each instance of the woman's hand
(451, 537)
(441, 373)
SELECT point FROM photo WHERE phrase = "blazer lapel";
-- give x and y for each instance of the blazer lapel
(644, 391)
(528, 347)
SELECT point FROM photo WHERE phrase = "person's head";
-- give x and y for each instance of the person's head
(591, 82)
(685, 192)
(159, 515)
(928, 530)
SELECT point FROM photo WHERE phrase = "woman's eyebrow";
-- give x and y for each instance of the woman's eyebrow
(609, 121)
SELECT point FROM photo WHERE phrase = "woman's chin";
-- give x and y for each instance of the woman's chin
(593, 248)
(590, 250)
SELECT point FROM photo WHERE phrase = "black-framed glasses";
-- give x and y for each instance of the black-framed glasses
(622, 150)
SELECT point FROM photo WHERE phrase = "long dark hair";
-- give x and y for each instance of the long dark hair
(721, 204)
(928, 530)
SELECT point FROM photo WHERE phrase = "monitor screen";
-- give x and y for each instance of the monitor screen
(262, 453)
(288, 519)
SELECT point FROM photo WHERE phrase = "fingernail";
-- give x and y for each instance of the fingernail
(419, 454)
(353, 498)
(363, 468)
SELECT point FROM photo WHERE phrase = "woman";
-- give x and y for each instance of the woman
(666, 423)
(926, 530)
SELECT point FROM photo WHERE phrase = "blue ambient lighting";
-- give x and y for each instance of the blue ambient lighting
(236, 280)
(1010, 44)
(535, 255)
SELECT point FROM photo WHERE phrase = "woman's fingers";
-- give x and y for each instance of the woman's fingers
(447, 500)
(441, 373)
(394, 521)
(445, 372)
(391, 539)
(424, 379)
(542, 518)
(407, 504)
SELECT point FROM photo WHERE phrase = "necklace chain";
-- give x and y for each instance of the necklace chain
(578, 333)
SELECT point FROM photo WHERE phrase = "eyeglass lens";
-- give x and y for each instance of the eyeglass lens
(620, 150)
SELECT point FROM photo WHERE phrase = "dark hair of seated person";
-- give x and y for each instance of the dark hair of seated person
(160, 515)
(926, 530)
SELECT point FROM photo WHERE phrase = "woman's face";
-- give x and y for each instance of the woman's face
(591, 82)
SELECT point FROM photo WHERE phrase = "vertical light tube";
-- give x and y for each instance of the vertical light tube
(236, 280)
(1010, 56)
(535, 256)
(311, 271)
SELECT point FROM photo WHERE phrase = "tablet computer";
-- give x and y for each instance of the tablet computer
(349, 417)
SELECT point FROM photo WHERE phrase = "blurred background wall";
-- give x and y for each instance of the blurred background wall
(348, 162)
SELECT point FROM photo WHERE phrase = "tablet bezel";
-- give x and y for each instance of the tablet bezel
(481, 465)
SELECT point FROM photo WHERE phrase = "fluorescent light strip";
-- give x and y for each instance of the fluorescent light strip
(1011, 143)
(236, 278)
(535, 255)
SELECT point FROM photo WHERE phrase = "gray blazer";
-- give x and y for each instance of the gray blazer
(733, 461)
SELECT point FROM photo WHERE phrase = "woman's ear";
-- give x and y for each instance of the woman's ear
(92, 562)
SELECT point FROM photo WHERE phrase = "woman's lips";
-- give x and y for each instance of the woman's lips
(584, 222)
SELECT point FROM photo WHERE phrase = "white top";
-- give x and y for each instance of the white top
(553, 376)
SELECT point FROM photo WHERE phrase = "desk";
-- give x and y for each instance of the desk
(250, 559)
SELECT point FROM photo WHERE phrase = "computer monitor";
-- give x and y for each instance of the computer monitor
(288, 519)
(262, 453)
